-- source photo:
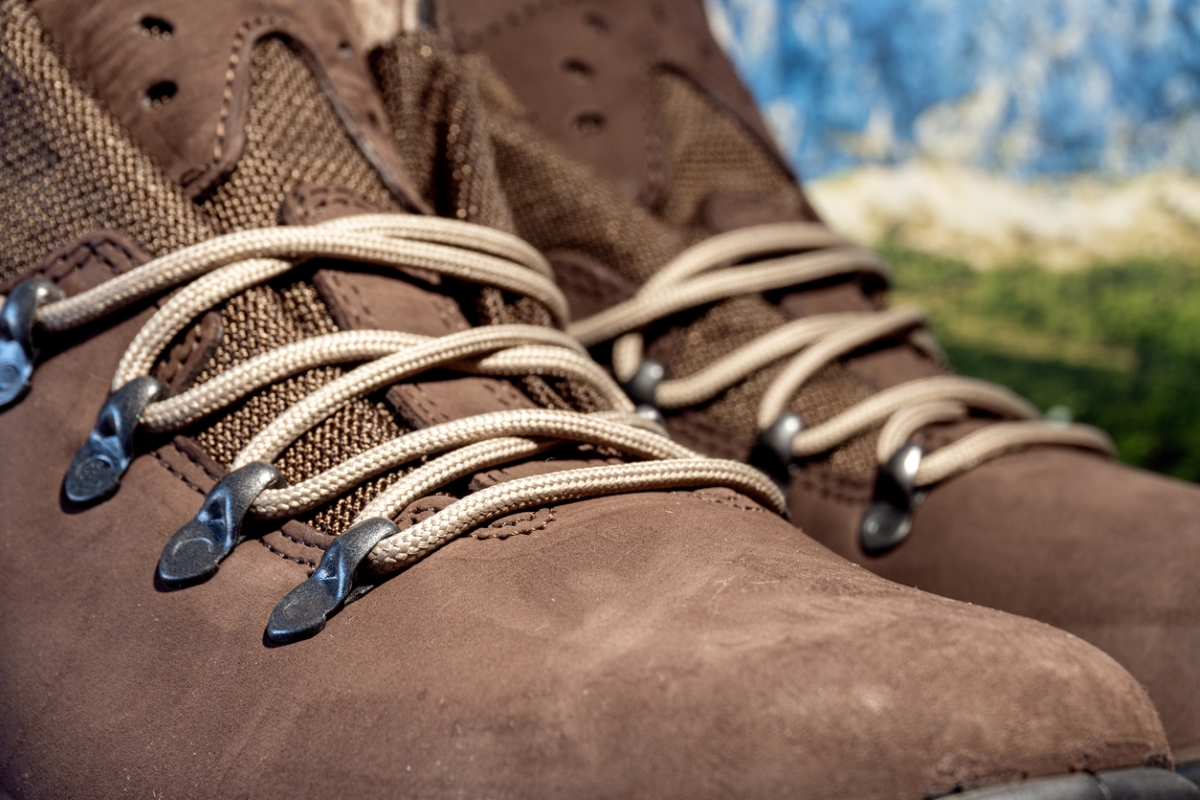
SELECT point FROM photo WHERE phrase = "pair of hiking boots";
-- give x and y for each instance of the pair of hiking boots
(288, 286)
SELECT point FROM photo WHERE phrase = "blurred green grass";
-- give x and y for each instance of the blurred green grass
(1117, 344)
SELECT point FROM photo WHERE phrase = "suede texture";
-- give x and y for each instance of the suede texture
(1105, 552)
(682, 644)
(669, 644)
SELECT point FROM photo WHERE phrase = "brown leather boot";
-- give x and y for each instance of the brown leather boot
(304, 390)
(636, 161)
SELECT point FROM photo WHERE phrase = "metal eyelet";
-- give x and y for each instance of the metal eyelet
(888, 519)
(642, 389)
(772, 451)
(17, 353)
(643, 386)
(95, 472)
(303, 613)
(194, 552)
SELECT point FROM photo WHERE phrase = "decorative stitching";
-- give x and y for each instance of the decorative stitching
(448, 312)
(731, 500)
(831, 487)
(519, 519)
(187, 481)
(203, 467)
(496, 388)
(91, 248)
(335, 280)
(300, 542)
(424, 403)
(239, 40)
(362, 302)
(312, 565)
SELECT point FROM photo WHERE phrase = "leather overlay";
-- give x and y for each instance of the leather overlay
(295, 541)
(426, 403)
(372, 301)
(86, 262)
(310, 205)
(582, 68)
(589, 284)
(185, 360)
(522, 523)
(361, 300)
(153, 64)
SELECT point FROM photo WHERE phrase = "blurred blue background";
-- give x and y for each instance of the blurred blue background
(1030, 169)
(1028, 88)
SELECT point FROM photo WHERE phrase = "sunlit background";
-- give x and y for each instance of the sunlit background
(1032, 171)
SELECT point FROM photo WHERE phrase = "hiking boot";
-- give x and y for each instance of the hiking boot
(277, 364)
(635, 160)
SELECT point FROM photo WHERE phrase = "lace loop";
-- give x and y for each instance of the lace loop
(221, 268)
(797, 254)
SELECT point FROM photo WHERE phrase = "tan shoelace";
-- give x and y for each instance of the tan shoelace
(222, 267)
(710, 271)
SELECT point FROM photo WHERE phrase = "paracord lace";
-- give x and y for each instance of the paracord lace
(710, 271)
(222, 267)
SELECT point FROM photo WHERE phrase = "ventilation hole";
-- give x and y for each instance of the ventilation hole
(578, 70)
(659, 13)
(373, 120)
(156, 28)
(706, 50)
(160, 93)
(596, 21)
(589, 124)
(346, 51)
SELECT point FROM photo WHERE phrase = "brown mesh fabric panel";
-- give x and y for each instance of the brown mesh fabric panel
(68, 165)
(259, 320)
(254, 322)
(559, 203)
(708, 150)
(230, 433)
(262, 318)
(353, 429)
(432, 101)
(293, 137)
(336, 517)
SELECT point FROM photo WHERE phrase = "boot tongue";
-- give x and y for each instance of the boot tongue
(83, 174)
(718, 177)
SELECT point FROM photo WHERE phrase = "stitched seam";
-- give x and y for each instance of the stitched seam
(532, 516)
(312, 565)
(178, 360)
(347, 302)
(732, 502)
(166, 465)
(411, 516)
(239, 40)
(362, 302)
(424, 403)
(444, 308)
(829, 493)
(656, 162)
(494, 387)
(203, 468)
(589, 286)
(300, 542)
(78, 266)
(112, 267)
